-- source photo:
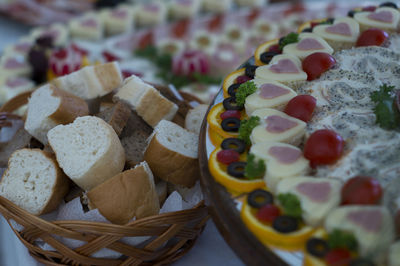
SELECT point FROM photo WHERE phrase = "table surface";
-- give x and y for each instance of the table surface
(210, 248)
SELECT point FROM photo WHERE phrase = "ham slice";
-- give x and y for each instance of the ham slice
(270, 91)
(340, 28)
(369, 220)
(13, 63)
(91, 23)
(284, 66)
(317, 192)
(309, 44)
(382, 16)
(16, 82)
(119, 13)
(278, 124)
(284, 155)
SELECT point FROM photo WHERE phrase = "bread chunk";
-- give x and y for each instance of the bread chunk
(116, 116)
(194, 118)
(33, 181)
(172, 154)
(129, 194)
(49, 107)
(88, 150)
(146, 101)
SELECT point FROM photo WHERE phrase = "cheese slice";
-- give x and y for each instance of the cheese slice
(372, 226)
(89, 26)
(309, 43)
(270, 94)
(344, 29)
(318, 196)
(386, 18)
(282, 161)
(150, 13)
(181, 9)
(277, 126)
(283, 68)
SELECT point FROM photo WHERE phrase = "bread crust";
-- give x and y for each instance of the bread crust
(70, 107)
(116, 116)
(170, 165)
(125, 196)
(109, 76)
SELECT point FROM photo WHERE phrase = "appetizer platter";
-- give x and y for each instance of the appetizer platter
(299, 151)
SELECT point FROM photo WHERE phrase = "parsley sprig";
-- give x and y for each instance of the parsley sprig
(254, 169)
(290, 38)
(342, 239)
(290, 204)
(246, 126)
(244, 90)
(385, 109)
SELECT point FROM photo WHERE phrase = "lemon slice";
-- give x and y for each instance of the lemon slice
(220, 174)
(230, 79)
(261, 49)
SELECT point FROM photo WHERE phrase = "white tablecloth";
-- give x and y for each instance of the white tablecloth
(210, 248)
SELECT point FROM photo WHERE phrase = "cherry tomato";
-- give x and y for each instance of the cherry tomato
(230, 113)
(323, 147)
(338, 257)
(110, 57)
(363, 190)
(268, 213)
(369, 8)
(372, 37)
(242, 79)
(317, 63)
(301, 107)
(274, 48)
(227, 156)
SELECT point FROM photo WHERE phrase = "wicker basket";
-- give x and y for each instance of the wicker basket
(171, 234)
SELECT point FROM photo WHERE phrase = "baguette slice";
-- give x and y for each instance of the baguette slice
(129, 194)
(60, 107)
(172, 154)
(91, 81)
(146, 101)
(88, 150)
(194, 118)
(33, 181)
(116, 116)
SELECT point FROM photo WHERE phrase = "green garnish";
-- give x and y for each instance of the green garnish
(290, 204)
(254, 169)
(387, 115)
(246, 126)
(290, 38)
(245, 90)
(342, 239)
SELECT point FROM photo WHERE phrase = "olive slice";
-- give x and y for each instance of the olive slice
(330, 20)
(267, 56)
(259, 198)
(307, 30)
(250, 71)
(388, 4)
(361, 262)
(236, 169)
(317, 247)
(233, 89)
(285, 224)
(233, 144)
(351, 13)
(230, 104)
(231, 124)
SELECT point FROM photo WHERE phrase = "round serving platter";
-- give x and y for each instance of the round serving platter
(224, 209)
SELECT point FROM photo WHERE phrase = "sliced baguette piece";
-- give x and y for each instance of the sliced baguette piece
(88, 150)
(146, 101)
(116, 116)
(129, 194)
(91, 81)
(60, 107)
(194, 118)
(34, 181)
(172, 154)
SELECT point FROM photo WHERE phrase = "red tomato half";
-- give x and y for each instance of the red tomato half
(317, 63)
(338, 257)
(301, 107)
(372, 37)
(323, 147)
(363, 190)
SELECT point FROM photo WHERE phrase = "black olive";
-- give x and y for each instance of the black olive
(259, 198)
(351, 13)
(388, 4)
(307, 30)
(233, 89)
(251, 71)
(230, 104)
(267, 56)
(108, 3)
(236, 169)
(330, 20)
(231, 124)
(285, 224)
(317, 247)
(233, 144)
(361, 262)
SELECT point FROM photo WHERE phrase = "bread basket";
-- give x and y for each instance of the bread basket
(172, 234)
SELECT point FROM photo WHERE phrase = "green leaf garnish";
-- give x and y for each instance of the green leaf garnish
(290, 38)
(246, 126)
(342, 239)
(290, 204)
(244, 90)
(387, 115)
(148, 52)
(254, 169)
